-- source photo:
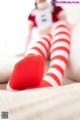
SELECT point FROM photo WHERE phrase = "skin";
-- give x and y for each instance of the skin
(42, 32)
(47, 30)
(30, 26)
(30, 29)
(40, 1)
(5, 73)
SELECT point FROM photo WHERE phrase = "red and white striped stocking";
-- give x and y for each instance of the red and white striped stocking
(30, 70)
(59, 52)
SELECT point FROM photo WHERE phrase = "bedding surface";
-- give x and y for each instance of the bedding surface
(60, 103)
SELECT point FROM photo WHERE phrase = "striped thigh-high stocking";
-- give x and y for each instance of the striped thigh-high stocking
(59, 52)
(29, 71)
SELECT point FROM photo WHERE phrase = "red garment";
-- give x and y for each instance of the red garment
(52, 11)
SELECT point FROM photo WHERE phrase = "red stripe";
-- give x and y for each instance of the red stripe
(62, 32)
(62, 40)
(49, 35)
(62, 26)
(46, 40)
(39, 51)
(54, 77)
(60, 58)
(45, 83)
(43, 45)
(60, 48)
(58, 68)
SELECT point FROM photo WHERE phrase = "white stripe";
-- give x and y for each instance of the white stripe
(56, 72)
(50, 80)
(59, 23)
(45, 42)
(68, 40)
(39, 46)
(46, 36)
(61, 36)
(58, 62)
(59, 52)
(32, 51)
(59, 44)
(62, 29)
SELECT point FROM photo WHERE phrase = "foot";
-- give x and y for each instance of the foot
(27, 72)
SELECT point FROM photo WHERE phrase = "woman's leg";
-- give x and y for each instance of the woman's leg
(30, 70)
(59, 53)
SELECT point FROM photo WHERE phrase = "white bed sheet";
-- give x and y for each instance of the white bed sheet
(61, 103)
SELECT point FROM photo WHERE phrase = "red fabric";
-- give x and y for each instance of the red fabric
(40, 51)
(55, 13)
(59, 26)
(40, 85)
(58, 68)
(32, 18)
(60, 57)
(27, 73)
(62, 40)
(62, 32)
(55, 78)
(60, 48)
